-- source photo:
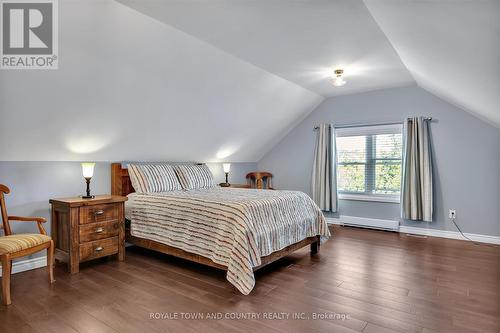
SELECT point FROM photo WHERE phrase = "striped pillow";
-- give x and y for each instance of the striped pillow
(147, 178)
(192, 176)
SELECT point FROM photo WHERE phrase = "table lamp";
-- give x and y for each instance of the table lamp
(88, 172)
(226, 167)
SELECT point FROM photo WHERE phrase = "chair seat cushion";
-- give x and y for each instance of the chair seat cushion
(16, 243)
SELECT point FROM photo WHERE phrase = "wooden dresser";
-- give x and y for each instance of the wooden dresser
(86, 229)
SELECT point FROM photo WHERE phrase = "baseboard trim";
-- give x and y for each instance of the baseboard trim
(359, 221)
(449, 234)
(28, 264)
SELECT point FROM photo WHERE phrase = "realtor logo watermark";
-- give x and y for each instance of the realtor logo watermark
(29, 34)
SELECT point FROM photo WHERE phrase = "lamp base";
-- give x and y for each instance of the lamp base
(224, 184)
(87, 196)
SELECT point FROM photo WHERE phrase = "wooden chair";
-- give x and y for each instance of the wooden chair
(15, 246)
(260, 180)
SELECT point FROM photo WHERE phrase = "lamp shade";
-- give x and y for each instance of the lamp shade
(226, 167)
(88, 170)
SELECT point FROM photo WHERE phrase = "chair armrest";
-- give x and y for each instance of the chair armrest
(27, 219)
(38, 220)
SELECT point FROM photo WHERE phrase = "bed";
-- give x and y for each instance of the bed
(237, 230)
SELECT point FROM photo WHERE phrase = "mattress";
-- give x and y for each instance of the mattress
(232, 227)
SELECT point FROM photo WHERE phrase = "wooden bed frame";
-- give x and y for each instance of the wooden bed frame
(121, 185)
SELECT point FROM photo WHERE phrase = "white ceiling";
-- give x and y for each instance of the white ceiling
(131, 88)
(301, 41)
(227, 79)
(450, 48)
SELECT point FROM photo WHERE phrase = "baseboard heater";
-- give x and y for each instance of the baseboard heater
(364, 222)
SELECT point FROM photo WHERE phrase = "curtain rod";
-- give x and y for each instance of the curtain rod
(370, 124)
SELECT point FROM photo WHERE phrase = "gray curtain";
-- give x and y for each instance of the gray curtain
(416, 190)
(324, 175)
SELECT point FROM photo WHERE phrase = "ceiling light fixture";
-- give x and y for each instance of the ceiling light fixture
(337, 79)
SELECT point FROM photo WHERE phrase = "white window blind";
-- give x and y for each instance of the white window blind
(369, 162)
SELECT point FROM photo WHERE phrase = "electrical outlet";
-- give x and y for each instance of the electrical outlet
(452, 214)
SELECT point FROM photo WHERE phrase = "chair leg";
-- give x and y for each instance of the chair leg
(50, 261)
(6, 270)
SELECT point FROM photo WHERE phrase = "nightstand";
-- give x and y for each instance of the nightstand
(86, 229)
(238, 186)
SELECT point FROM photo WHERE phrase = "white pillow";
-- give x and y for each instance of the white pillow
(146, 178)
(193, 176)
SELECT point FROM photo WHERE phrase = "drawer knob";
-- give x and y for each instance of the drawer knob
(99, 249)
(99, 212)
(99, 230)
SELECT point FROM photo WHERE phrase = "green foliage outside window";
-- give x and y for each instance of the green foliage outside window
(369, 164)
(387, 178)
(351, 178)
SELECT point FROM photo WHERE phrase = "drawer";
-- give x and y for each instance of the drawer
(94, 231)
(98, 248)
(99, 213)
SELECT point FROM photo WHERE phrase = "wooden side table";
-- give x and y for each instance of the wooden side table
(238, 186)
(86, 229)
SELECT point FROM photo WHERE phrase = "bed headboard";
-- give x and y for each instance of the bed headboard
(120, 180)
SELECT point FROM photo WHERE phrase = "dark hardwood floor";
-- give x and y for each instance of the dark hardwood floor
(382, 282)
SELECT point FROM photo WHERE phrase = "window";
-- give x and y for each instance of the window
(369, 162)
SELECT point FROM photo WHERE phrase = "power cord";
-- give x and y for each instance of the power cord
(463, 235)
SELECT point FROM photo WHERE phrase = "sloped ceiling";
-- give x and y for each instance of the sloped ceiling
(131, 88)
(452, 48)
(227, 79)
(301, 41)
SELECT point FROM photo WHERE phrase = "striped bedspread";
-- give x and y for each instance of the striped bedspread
(232, 227)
